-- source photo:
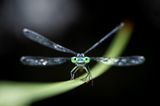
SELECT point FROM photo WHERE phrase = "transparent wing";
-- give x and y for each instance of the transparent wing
(121, 61)
(46, 42)
(43, 61)
(105, 37)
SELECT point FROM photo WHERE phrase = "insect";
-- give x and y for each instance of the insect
(79, 59)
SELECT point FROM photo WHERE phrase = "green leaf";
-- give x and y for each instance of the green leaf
(23, 94)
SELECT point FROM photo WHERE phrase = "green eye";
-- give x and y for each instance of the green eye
(87, 59)
(73, 59)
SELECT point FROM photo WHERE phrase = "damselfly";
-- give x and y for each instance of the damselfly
(79, 59)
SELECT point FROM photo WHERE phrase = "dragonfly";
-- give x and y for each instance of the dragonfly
(79, 59)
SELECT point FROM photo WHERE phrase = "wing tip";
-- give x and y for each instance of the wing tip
(121, 24)
(142, 58)
(25, 30)
(22, 59)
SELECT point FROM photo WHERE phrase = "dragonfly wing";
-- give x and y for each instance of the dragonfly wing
(43, 61)
(105, 37)
(46, 42)
(121, 61)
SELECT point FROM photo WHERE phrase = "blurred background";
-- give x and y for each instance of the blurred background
(77, 24)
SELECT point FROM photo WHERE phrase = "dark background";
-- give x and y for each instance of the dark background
(120, 85)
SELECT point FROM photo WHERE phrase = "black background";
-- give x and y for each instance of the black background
(125, 85)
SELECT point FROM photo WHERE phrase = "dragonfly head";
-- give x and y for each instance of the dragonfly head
(80, 59)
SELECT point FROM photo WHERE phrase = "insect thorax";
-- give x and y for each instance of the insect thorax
(80, 59)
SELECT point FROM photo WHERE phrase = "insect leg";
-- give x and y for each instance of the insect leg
(88, 73)
(72, 72)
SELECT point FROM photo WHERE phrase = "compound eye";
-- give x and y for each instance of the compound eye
(87, 59)
(73, 59)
